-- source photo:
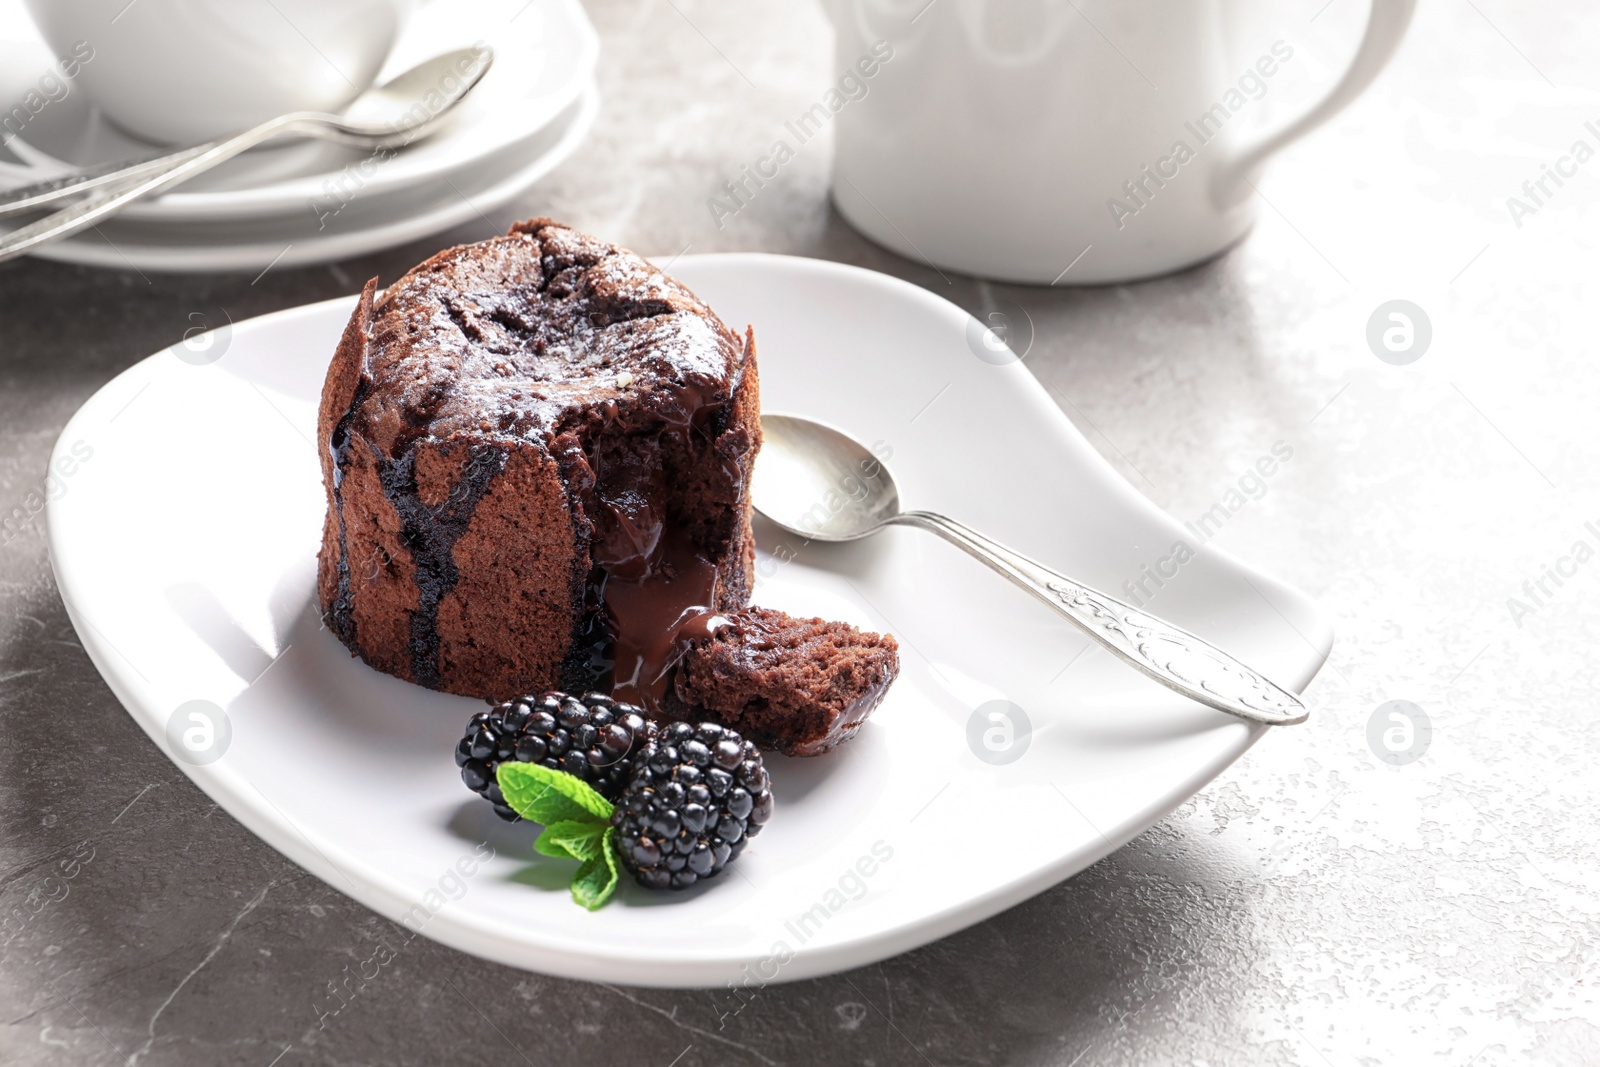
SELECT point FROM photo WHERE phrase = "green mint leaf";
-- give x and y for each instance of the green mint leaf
(577, 825)
(546, 796)
(572, 840)
(596, 880)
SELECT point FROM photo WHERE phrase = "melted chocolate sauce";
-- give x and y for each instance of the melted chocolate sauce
(430, 533)
(656, 616)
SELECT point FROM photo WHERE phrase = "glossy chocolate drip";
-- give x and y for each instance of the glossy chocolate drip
(430, 534)
(655, 617)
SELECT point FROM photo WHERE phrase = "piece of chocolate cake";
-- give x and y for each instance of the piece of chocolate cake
(800, 686)
(537, 457)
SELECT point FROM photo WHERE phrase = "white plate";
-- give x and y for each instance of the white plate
(367, 224)
(545, 53)
(184, 549)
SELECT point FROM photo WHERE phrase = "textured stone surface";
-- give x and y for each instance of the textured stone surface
(1313, 906)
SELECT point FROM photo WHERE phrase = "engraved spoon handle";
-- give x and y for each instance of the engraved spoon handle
(1174, 657)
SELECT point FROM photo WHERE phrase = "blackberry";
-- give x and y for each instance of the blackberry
(696, 795)
(591, 737)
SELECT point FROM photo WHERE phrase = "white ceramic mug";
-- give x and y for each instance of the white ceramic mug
(186, 71)
(1064, 141)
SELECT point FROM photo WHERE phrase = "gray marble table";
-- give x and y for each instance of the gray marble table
(1315, 905)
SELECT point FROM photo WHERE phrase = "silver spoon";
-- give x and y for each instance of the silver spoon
(823, 485)
(393, 114)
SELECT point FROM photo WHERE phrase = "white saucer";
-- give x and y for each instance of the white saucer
(545, 53)
(370, 222)
(900, 837)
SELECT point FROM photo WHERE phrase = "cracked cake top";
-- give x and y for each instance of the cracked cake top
(524, 335)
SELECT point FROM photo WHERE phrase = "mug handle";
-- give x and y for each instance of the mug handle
(1386, 27)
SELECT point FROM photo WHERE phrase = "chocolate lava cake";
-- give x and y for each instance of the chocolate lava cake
(537, 458)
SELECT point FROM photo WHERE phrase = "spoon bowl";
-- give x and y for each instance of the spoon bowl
(819, 482)
(416, 99)
(822, 484)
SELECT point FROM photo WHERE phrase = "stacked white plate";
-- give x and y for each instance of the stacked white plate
(300, 202)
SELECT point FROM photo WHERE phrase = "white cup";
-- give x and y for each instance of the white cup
(186, 71)
(1065, 141)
